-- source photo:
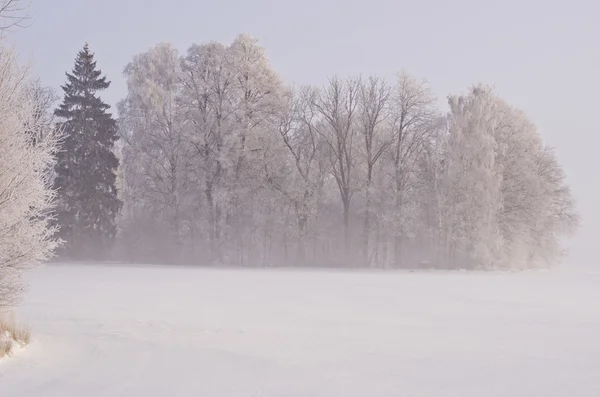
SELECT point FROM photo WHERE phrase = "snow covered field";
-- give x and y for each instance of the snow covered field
(158, 331)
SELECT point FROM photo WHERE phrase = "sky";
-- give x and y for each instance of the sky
(542, 56)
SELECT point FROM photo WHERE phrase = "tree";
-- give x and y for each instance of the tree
(157, 152)
(337, 104)
(256, 102)
(557, 216)
(25, 189)
(43, 115)
(206, 96)
(506, 203)
(413, 121)
(300, 179)
(537, 206)
(473, 181)
(86, 165)
(473, 184)
(197, 130)
(374, 95)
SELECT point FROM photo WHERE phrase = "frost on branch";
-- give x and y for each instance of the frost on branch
(506, 203)
(27, 147)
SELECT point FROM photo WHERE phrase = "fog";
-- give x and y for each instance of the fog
(162, 163)
(543, 64)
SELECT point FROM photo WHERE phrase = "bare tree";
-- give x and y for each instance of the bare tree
(412, 121)
(337, 103)
(303, 184)
(374, 95)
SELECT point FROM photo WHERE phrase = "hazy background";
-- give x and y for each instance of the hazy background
(542, 56)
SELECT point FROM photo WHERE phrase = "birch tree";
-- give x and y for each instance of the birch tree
(206, 98)
(473, 181)
(156, 151)
(256, 101)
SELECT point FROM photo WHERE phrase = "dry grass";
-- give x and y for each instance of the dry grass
(6, 346)
(12, 334)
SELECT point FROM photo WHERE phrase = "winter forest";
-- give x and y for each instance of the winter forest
(212, 159)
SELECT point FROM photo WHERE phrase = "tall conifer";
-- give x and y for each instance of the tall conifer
(86, 166)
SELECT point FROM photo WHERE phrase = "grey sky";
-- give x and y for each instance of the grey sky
(542, 55)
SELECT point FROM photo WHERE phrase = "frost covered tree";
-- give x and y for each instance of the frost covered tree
(207, 82)
(86, 165)
(473, 181)
(537, 207)
(256, 102)
(156, 153)
(27, 148)
(43, 114)
(506, 203)
(197, 128)
(557, 216)
(223, 164)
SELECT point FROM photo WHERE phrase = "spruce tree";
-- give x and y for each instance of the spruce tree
(86, 166)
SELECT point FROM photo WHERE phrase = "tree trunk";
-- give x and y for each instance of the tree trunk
(302, 243)
(367, 227)
(301, 214)
(211, 224)
(377, 261)
(347, 255)
(398, 229)
(285, 250)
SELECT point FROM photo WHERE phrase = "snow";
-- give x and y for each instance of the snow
(108, 330)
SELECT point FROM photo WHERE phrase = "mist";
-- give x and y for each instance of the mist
(421, 172)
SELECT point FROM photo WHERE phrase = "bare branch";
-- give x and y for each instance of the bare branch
(14, 14)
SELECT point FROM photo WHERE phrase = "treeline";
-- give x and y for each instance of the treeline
(214, 160)
(223, 163)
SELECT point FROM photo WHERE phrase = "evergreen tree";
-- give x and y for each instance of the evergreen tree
(86, 166)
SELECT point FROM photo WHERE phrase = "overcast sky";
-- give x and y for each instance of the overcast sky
(541, 55)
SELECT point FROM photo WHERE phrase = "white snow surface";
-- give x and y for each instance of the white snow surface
(108, 330)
